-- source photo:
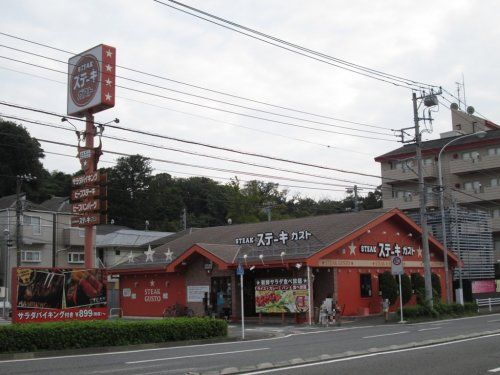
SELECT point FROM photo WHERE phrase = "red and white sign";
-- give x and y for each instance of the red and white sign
(87, 192)
(86, 220)
(87, 206)
(397, 267)
(91, 81)
(483, 286)
(86, 179)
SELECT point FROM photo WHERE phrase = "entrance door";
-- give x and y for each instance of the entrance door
(221, 296)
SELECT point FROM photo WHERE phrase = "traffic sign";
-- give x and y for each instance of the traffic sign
(397, 267)
(240, 271)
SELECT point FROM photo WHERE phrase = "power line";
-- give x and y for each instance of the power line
(204, 117)
(204, 88)
(210, 107)
(339, 63)
(198, 143)
(184, 151)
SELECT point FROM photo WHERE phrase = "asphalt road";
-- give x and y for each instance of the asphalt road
(298, 344)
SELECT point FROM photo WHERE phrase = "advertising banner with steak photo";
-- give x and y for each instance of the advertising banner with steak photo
(54, 294)
(281, 295)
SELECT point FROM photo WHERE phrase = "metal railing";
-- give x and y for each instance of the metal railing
(482, 302)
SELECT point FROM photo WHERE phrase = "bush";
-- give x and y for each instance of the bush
(418, 283)
(406, 288)
(388, 286)
(436, 287)
(85, 334)
(439, 310)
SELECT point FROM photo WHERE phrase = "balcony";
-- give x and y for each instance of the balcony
(73, 237)
(408, 203)
(486, 193)
(394, 175)
(488, 162)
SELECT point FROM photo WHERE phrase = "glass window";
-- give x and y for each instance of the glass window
(31, 256)
(76, 257)
(35, 222)
(428, 161)
(366, 284)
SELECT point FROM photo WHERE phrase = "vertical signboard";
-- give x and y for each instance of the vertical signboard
(55, 294)
(91, 81)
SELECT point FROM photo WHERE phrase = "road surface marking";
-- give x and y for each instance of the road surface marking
(386, 334)
(494, 369)
(428, 329)
(195, 355)
(370, 355)
(493, 321)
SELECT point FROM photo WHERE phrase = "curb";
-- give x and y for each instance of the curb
(327, 357)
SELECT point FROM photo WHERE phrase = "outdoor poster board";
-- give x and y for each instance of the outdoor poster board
(282, 295)
(56, 294)
(483, 286)
(196, 293)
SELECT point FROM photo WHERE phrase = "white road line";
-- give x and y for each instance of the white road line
(370, 355)
(195, 355)
(386, 334)
(494, 369)
(428, 329)
(493, 321)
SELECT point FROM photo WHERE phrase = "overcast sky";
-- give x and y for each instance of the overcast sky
(428, 41)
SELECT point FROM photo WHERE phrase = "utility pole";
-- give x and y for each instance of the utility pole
(18, 220)
(423, 203)
(355, 191)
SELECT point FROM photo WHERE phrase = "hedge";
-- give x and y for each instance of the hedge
(439, 310)
(85, 334)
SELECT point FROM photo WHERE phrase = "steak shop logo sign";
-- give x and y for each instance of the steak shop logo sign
(270, 238)
(385, 250)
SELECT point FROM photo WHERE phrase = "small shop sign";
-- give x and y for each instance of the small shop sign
(270, 238)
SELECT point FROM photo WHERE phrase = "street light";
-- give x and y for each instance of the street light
(479, 134)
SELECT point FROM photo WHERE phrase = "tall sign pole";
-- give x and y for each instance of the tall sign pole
(91, 89)
(241, 271)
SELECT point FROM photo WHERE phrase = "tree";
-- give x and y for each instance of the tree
(436, 287)
(128, 183)
(388, 286)
(406, 288)
(20, 154)
(372, 200)
(418, 284)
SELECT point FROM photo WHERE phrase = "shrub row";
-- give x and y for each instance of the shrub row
(85, 334)
(439, 310)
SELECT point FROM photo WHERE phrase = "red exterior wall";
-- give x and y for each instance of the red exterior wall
(153, 293)
(349, 265)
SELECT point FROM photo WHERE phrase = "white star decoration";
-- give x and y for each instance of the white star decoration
(149, 254)
(352, 249)
(131, 257)
(168, 255)
(108, 96)
(108, 82)
(109, 68)
(109, 53)
(419, 252)
(152, 283)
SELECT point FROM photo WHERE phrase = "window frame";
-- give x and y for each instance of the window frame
(78, 255)
(365, 289)
(25, 252)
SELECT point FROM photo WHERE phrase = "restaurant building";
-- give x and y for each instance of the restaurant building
(289, 266)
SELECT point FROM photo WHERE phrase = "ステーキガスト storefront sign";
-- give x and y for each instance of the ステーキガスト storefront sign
(386, 250)
(281, 295)
(270, 238)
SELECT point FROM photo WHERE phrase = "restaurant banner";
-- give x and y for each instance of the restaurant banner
(56, 294)
(282, 295)
(483, 286)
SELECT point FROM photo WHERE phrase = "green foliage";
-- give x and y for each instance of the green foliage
(19, 155)
(418, 284)
(388, 286)
(440, 310)
(70, 335)
(406, 288)
(436, 287)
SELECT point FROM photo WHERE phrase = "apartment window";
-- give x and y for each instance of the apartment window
(474, 186)
(35, 222)
(366, 285)
(76, 257)
(494, 151)
(495, 182)
(117, 252)
(428, 161)
(404, 165)
(31, 256)
(470, 155)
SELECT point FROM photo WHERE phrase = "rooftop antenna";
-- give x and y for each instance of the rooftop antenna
(463, 87)
(458, 95)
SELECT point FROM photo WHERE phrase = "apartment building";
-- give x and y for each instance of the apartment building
(470, 168)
